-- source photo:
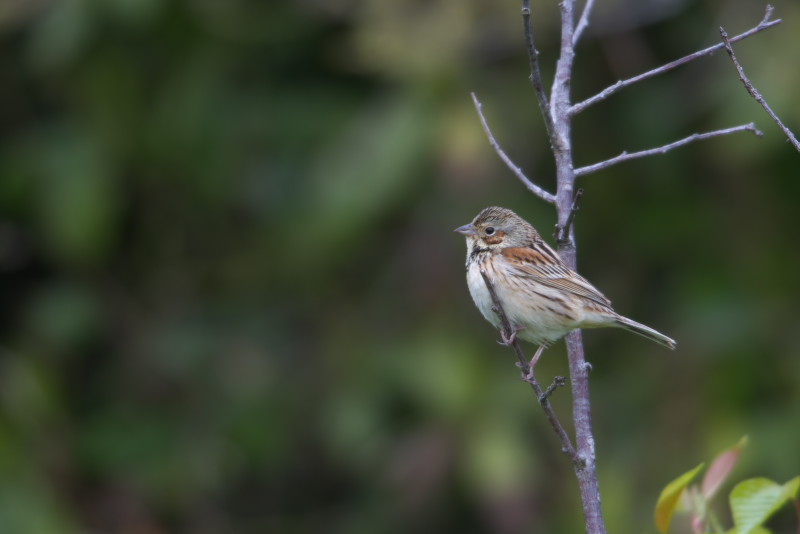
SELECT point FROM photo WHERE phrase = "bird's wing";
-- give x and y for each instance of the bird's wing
(543, 265)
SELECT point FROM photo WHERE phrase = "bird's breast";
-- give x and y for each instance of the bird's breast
(477, 286)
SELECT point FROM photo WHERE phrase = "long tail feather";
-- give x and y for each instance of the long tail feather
(646, 331)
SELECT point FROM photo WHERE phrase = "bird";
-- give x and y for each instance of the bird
(543, 299)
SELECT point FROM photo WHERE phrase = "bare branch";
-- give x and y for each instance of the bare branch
(536, 75)
(532, 187)
(608, 91)
(754, 92)
(527, 373)
(559, 95)
(585, 464)
(625, 156)
(583, 23)
(557, 111)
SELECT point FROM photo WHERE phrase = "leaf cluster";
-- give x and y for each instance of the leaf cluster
(752, 501)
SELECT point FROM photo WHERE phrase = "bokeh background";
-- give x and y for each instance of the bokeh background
(231, 299)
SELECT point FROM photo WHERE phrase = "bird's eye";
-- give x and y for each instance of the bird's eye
(489, 231)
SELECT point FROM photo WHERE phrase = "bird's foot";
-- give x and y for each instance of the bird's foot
(507, 340)
(527, 368)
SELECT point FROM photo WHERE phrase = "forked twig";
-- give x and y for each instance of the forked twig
(532, 187)
(562, 232)
(558, 382)
(753, 91)
(608, 91)
(625, 156)
(528, 375)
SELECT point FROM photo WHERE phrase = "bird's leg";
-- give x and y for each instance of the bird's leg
(529, 376)
(536, 356)
(558, 382)
(527, 369)
(507, 340)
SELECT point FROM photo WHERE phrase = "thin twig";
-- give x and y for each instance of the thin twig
(754, 92)
(536, 74)
(558, 382)
(583, 23)
(527, 373)
(562, 232)
(506, 331)
(535, 189)
(625, 156)
(608, 91)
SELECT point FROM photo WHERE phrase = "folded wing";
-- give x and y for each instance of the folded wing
(543, 265)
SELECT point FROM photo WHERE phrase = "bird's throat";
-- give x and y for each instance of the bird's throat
(476, 252)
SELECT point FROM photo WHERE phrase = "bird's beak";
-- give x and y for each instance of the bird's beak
(467, 229)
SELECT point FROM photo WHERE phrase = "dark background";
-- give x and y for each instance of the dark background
(231, 299)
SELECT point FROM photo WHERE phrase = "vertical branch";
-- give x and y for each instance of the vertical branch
(559, 98)
(585, 467)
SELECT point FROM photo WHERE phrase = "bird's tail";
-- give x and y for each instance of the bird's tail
(646, 331)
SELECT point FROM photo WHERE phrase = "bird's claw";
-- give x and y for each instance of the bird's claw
(527, 372)
(507, 340)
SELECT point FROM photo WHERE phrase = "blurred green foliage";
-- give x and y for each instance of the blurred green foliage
(232, 300)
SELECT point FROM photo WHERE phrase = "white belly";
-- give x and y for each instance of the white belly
(480, 294)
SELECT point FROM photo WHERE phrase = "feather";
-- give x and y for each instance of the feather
(541, 264)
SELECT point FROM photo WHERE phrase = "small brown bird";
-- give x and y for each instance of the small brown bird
(542, 297)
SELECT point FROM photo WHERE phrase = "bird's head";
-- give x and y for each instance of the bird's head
(498, 228)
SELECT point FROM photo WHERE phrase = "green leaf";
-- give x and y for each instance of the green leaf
(755, 500)
(669, 498)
